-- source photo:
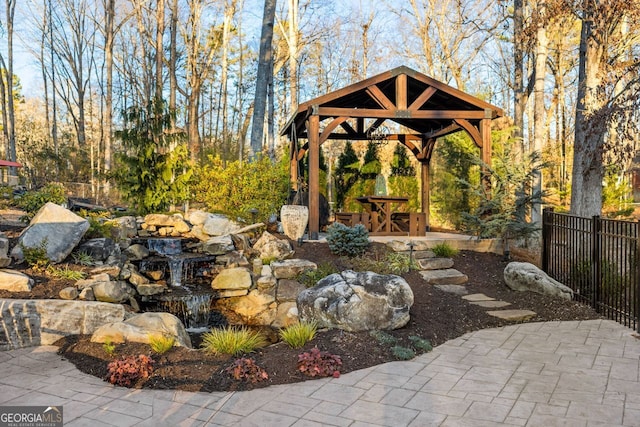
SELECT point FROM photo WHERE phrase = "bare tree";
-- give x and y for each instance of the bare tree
(539, 116)
(603, 63)
(264, 70)
(7, 86)
(200, 53)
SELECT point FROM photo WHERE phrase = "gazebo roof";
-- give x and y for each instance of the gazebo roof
(402, 95)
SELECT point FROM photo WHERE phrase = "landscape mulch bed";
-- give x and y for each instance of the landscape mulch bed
(436, 315)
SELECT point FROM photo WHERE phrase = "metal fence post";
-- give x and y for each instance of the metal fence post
(547, 229)
(596, 253)
(636, 290)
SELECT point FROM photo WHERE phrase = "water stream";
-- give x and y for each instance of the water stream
(190, 294)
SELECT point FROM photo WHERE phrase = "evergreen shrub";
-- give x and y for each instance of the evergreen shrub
(349, 241)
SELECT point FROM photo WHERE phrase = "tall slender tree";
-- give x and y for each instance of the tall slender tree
(265, 59)
(7, 86)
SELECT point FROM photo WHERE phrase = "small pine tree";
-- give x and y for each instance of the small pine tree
(347, 173)
(401, 165)
(371, 165)
(154, 171)
(502, 210)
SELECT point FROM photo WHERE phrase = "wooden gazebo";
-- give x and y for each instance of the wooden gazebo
(425, 109)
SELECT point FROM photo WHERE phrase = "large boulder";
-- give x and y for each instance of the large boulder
(219, 225)
(113, 291)
(269, 246)
(124, 227)
(236, 279)
(14, 281)
(5, 260)
(142, 328)
(291, 268)
(100, 249)
(42, 322)
(357, 301)
(57, 228)
(523, 276)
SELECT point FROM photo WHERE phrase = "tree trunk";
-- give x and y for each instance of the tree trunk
(539, 109)
(262, 80)
(519, 99)
(173, 55)
(293, 54)
(108, 109)
(587, 173)
(229, 12)
(10, 122)
(159, 48)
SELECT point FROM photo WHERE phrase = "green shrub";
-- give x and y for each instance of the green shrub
(444, 250)
(349, 241)
(298, 334)
(32, 201)
(233, 341)
(161, 343)
(82, 258)
(403, 353)
(98, 224)
(109, 347)
(234, 188)
(310, 278)
(420, 343)
(65, 273)
(386, 263)
(383, 338)
(36, 257)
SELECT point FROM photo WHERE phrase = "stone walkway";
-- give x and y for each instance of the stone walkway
(536, 374)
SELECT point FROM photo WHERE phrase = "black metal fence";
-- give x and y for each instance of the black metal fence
(598, 259)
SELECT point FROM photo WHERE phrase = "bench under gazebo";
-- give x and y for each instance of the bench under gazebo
(420, 109)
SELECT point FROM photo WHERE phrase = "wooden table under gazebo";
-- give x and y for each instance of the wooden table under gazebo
(424, 110)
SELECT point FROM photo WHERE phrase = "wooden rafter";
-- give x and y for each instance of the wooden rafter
(382, 100)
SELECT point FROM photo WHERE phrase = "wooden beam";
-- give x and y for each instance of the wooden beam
(401, 92)
(314, 176)
(473, 132)
(375, 125)
(382, 100)
(400, 113)
(346, 126)
(331, 127)
(454, 127)
(424, 97)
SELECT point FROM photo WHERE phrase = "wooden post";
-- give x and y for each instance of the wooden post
(426, 185)
(485, 132)
(313, 132)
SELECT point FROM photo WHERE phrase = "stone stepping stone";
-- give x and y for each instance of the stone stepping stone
(435, 263)
(478, 297)
(491, 304)
(453, 289)
(512, 315)
(447, 276)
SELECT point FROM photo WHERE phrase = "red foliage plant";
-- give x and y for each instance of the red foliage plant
(316, 363)
(246, 369)
(129, 369)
